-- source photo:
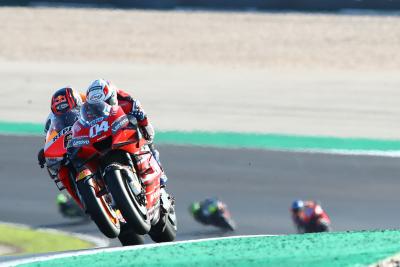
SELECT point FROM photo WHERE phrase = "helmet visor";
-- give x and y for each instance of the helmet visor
(60, 104)
(91, 112)
(62, 121)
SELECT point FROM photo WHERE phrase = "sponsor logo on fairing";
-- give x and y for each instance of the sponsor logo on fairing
(62, 132)
(96, 121)
(79, 141)
(67, 139)
(119, 123)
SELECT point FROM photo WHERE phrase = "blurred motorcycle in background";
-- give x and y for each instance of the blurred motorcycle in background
(309, 217)
(212, 211)
(69, 208)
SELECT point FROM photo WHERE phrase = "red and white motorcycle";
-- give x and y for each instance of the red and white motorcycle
(114, 162)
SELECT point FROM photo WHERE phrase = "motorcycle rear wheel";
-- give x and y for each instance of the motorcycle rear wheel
(165, 229)
(127, 202)
(98, 208)
(128, 237)
(229, 224)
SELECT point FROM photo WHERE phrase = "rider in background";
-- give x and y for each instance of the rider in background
(203, 211)
(309, 217)
(63, 101)
(102, 90)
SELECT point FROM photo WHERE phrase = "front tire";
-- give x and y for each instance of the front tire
(127, 202)
(99, 208)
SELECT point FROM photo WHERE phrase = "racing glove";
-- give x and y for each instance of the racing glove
(41, 158)
(138, 111)
(145, 127)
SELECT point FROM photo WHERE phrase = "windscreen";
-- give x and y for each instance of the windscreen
(60, 122)
(91, 112)
(60, 125)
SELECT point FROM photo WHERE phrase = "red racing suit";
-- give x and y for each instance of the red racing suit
(133, 106)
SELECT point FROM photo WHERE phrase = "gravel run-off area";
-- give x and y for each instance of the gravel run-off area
(288, 73)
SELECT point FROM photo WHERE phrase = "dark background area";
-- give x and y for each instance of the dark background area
(302, 5)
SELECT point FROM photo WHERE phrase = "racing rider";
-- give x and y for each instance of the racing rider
(102, 90)
(203, 211)
(64, 102)
(309, 217)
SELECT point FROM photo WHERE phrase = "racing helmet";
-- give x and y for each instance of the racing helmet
(65, 99)
(101, 90)
(297, 205)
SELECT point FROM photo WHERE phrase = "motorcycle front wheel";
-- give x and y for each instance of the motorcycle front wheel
(133, 211)
(99, 208)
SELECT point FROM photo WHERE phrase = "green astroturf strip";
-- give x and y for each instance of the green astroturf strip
(275, 141)
(328, 249)
(240, 140)
(21, 128)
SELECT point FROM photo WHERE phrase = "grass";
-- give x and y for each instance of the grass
(28, 241)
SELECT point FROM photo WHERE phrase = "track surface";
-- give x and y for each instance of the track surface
(258, 186)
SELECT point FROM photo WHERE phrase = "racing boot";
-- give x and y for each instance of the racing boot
(163, 180)
(156, 154)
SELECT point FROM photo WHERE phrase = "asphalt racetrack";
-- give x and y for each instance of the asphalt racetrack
(358, 192)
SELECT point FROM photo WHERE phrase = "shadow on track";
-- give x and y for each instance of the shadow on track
(206, 233)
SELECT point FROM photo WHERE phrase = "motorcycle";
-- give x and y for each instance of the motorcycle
(311, 218)
(213, 212)
(63, 173)
(114, 160)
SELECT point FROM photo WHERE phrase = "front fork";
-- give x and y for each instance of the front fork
(100, 190)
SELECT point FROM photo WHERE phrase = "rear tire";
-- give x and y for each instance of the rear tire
(228, 224)
(168, 234)
(99, 209)
(127, 202)
(323, 227)
(128, 237)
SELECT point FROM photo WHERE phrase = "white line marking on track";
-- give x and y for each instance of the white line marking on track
(345, 152)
